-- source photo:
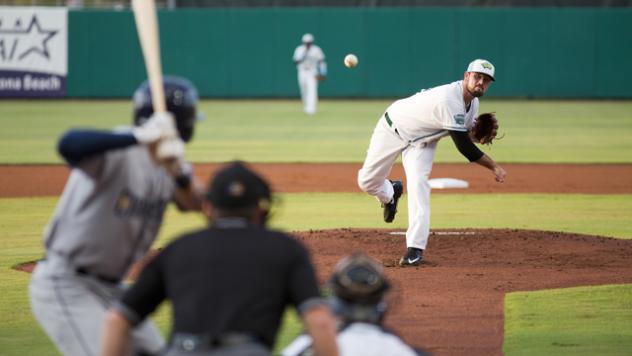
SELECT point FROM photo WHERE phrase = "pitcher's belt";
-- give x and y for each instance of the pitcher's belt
(390, 122)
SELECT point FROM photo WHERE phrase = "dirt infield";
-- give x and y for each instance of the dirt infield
(48, 180)
(453, 303)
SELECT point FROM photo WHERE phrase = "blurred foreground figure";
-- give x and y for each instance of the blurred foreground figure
(109, 215)
(230, 283)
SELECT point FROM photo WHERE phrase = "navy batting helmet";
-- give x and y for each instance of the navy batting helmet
(181, 96)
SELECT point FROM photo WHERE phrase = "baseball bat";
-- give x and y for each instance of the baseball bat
(149, 37)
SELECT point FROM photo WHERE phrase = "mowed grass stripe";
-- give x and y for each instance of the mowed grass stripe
(278, 131)
(570, 321)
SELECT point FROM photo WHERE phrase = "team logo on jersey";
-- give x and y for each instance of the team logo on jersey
(487, 65)
(459, 119)
(127, 205)
(123, 203)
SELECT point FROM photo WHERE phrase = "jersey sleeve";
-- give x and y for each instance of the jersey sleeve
(321, 54)
(146, 294)
(87, 149)
(303, 286)
(451, 119)
(298, 56)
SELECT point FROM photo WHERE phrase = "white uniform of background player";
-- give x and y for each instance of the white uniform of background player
(106, 219)
(358, 285)
(311, 66)
(411, 127)
(357, 339)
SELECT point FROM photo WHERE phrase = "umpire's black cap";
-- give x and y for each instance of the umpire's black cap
(236, 186)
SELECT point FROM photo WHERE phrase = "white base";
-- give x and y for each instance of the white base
(447, 183)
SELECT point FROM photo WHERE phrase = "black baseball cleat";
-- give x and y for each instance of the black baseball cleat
(412, 257)
(391, 208)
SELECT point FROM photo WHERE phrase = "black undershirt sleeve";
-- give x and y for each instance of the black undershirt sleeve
(465, 145)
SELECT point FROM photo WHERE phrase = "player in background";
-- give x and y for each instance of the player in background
(109, 215)
(311, 67)
(359, 287)
(412, 127)
(222, 307)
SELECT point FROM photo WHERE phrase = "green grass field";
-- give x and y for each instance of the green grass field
(277, 131)
(547, 322)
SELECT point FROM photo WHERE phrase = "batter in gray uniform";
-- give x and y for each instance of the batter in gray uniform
(108, 217)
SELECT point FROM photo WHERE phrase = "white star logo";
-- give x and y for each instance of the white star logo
(19, 43)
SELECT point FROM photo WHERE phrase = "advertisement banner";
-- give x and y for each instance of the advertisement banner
(33, 52)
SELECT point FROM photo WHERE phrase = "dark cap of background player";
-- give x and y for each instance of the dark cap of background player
(236, 186)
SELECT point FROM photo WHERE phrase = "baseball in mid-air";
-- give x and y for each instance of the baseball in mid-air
(351, 60)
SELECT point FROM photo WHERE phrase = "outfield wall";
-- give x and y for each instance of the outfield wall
(554, 52)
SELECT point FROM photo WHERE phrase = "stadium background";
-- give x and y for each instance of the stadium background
(246, 52)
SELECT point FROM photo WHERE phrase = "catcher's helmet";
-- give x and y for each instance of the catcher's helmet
(181, 96)
(358, 285)
(359, 279)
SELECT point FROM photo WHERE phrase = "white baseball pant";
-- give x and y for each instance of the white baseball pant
(384, 149)
(308, 85)
(71, 309)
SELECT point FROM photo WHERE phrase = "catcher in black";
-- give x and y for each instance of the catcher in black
(230, 283)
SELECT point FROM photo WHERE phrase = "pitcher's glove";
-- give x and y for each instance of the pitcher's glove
(485, 129)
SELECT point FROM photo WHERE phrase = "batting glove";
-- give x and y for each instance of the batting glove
(160, 126)
(171, 148)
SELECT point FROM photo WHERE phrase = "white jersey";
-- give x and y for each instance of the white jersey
(308, 59)
(428, 115)
(357, 339)
(110, 211)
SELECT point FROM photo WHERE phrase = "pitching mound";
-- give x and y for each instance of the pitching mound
(453, 303)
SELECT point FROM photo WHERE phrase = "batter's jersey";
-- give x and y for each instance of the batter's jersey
(428, 115)
(110, 211)
(308, 59)
(356, 339)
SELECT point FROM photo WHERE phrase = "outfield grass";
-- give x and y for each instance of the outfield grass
(23, 219)
(277, 131)
(570, 321)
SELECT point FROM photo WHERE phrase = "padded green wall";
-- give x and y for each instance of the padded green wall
(247, 52)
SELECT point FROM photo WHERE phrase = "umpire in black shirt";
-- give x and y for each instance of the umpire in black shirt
(230, 283)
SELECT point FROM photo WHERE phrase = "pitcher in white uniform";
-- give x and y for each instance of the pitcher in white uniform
(411, 127)
(311, 67)
(108, 216)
